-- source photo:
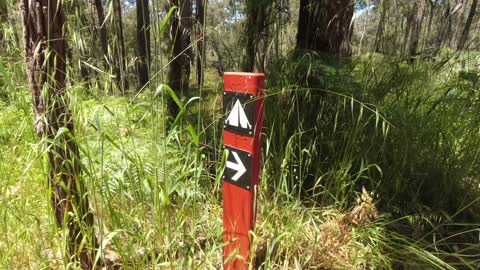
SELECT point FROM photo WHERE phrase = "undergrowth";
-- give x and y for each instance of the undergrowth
(371, 164)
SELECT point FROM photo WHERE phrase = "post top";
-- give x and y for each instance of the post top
(244, 74)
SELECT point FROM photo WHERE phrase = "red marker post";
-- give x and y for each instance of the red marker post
(243, 112)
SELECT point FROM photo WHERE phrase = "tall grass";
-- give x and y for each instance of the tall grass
(408, 133)
(157, 200)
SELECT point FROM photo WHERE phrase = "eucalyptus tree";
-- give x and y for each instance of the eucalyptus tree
(326, 26)
(418, 13)
(181, 52)
(143, 43)
(45, 56)
(256, 24)
(468, 24)
(3, 19)
(379, 36)
(120, 52)
(102, 26)
(200, 35)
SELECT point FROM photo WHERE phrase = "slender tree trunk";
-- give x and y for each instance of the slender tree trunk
(326, 26)
(180, 63)
(477, 39)
(187, 22)
(122, 61)
(416, 29)
(94, 33)
(45, 54)
(3, 12)
(408, 27)
(200, 13)
(220, 66)
(255, 30)
(304, 25)
(3, 20)
(102, 26)
(449, 26)
(432, 15)
(458, 21)
(392, 46)
(143, 43)
(110, 60)
(251, 30)
(175, 68)
(446, 20)
(381, 27)
(468, 24)
(82, 53)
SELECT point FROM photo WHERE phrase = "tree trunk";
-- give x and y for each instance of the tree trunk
(3, 20)
(122, 61)
(187, 22)
(175, 67)
(45, 54)
(255, 30)
(416, 32)
(220, 66)
(432, 14)
(408, 27)
(458, 21)
(3, 12)
(304, 25)
(251, 30)
(102, 25)
(466, 29)
(381, 27)
(446, 20)
(180, 60)
(143, 43)
(326, 26)
(200, 14)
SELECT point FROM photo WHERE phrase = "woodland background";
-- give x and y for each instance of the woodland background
(111, 132)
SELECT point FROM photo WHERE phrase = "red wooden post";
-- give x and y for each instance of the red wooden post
(243, 112)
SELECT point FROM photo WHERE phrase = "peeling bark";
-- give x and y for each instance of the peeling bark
(45, 54)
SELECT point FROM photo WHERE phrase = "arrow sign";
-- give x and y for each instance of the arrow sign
(240, 111)
(238, 168)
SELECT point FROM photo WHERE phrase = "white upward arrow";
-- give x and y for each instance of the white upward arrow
(237, 117)
(238, 166)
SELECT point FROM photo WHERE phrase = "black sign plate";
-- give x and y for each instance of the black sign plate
(239, 112)
(238, 168)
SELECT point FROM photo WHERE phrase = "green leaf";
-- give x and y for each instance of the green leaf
(164, 23)
(165, 87)
(193, 133)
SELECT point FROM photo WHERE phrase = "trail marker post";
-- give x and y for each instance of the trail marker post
(243, 112)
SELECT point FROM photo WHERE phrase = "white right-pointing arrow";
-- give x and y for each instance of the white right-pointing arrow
(239, 167)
